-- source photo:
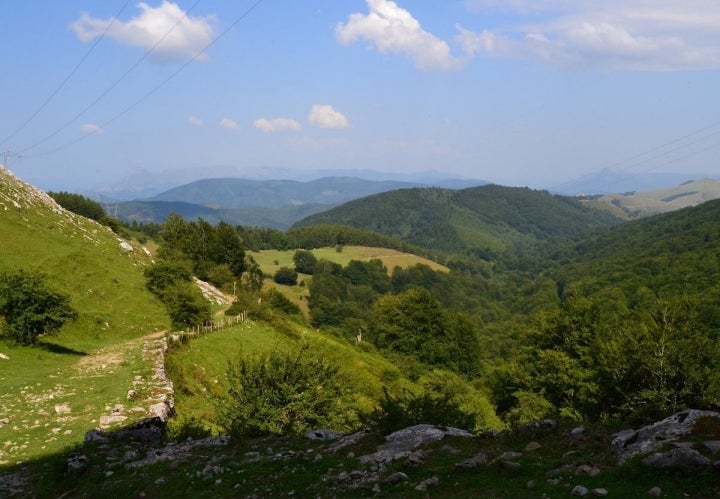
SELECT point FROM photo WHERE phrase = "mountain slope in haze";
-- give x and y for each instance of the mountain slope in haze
(490, 217)
(229, 193)
(260, 216)
(611, 180)
(634, 205)
(266, 203)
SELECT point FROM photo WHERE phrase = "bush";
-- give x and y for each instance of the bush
(281, 393)
(305, 261)
(280, 302)
(286, 275)
(30, 308)
(186, 305)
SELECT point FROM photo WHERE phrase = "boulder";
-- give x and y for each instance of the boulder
(629, 443)
(322, 435)
(579, 490)
(679, 458)
(400, 444)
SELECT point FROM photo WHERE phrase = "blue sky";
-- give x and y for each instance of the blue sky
(517, 92)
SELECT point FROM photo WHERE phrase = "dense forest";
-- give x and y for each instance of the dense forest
(562, 313)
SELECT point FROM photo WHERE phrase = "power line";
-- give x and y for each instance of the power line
(161, 84)
(114, 84)
(67, 78)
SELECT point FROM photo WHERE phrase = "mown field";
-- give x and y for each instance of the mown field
(272, 260)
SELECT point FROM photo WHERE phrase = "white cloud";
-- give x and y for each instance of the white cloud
(92, 128)
(392, 29)
(194, 120)
(229, 124)
(182, 40)
(277, 125)
(637, 35)
(324, 116)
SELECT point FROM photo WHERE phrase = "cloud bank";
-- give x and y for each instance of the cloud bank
(391, 29)
(178, 36)
(633, 35)
(229, 124)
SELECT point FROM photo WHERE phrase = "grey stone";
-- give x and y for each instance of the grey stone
(400, 444)
(532, 446)
(323, 435)
(510, 465)
(579, 490)
(678, 458)
(76, 462)
(587, 470)
(416, 458)
(599, 492)
(577, 432)
(474, 461)
(530, 485)
(655, 492)
(629, 443)
(426, 484)
(713, 446)
(396, 477)
(510, 455)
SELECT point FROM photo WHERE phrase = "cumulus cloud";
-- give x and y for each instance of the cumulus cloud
(194, 120)
(177, 35)
(392, 29)
(324, 116)
(277, 125)
(637, 35)
(229, 124)
(92, 128)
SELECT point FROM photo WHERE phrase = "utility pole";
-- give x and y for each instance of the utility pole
(8, 154)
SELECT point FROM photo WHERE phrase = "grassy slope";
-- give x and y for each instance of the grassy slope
(106, 287)
(198, 369)
(642, 204)
(298, 294)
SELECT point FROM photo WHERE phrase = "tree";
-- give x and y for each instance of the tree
(186, 305)
(305, 261)
(286, 275)
(30, 308)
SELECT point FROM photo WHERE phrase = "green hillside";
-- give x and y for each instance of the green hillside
(482, 220)
(105, 284)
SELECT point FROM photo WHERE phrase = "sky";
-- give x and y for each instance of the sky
(516, 92)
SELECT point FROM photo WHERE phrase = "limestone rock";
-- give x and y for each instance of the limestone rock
(579, 490)
(400, 444)
(587, 470)
(577, 432)
(323, 435)
(629, 443)
(426, 484)
(600, 492)
(396, 477)
(679, 458)
(474, 461)
(655, 492)
(532, 446)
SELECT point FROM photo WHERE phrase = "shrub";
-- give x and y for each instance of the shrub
(286, 275)
(30, 308)
(281, 393)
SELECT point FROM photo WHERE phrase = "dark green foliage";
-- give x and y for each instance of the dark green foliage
(304, 261)
(371, 273)
(280, 302)
(166, 273)
(186, 305)
(203, 244)
(29, 308)
(282, 393)
(414, 323)
(286, 275)
(79, 204)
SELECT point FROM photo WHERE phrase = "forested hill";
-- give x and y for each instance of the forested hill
(671, 253)
(482, 220)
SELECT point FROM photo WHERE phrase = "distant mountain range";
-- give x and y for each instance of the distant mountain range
(143, 184)
(268, 203)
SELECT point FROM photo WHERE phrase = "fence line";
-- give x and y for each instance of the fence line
(207, 327)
